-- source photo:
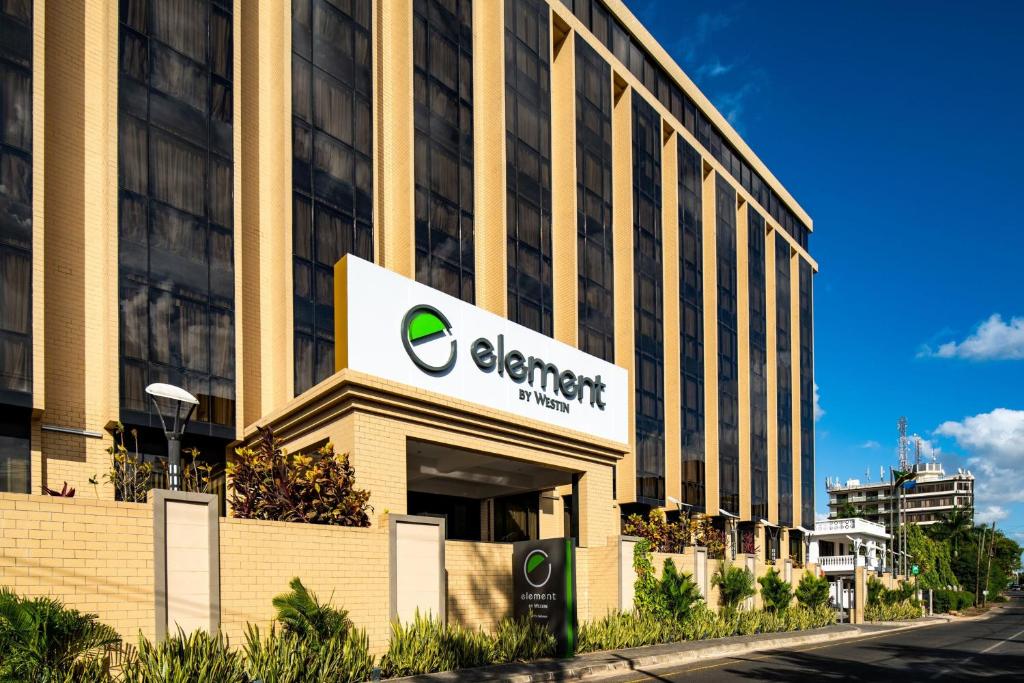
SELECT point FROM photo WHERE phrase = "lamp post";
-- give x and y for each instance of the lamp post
(181, 398)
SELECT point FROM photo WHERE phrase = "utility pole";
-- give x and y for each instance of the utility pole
(991, 550)
(977, 580)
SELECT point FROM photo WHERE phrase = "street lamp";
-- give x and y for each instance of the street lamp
(181, 398)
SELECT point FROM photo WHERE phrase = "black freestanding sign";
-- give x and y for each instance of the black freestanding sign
(544, 585)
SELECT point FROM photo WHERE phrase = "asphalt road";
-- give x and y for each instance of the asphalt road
(991, 649)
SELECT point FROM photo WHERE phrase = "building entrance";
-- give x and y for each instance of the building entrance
(485, 497)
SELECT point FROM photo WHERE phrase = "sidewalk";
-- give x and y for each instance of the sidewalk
(621, 661)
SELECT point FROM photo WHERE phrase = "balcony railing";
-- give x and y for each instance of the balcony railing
(837, 563)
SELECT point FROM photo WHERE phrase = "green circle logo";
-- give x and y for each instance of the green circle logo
(537, 568)
(422, 328)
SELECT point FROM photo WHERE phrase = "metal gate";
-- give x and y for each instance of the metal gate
(841, 597)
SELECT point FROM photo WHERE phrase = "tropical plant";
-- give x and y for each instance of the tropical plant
(285, 657)
(269, 483)
(933, 557)
(647, 596)
(735, 584)
(776, 594)
(129, 473)
(42, 640)
(618, 630)
(897, 611)
(812, 591)
(846, 511)
(955, 527)
(679, 592)
(65, 491)
(427, 645)
(301, 614)
(664, 536)
(703, 533)
(522, 640)
(196, 657)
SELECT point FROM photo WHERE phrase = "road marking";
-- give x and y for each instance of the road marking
(772, 653)
(992, 647)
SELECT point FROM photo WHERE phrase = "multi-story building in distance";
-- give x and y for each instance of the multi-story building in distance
(179, 181)
(933, 494)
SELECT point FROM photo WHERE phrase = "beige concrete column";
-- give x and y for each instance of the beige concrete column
(563, 182)
(551, 521)
(394, 136)
(76, 239)
(743, 346)
(710, 248)
(490, 225)
(794, 325)
(622, 245)
(860, 594)
(771, 375)
(670, 287)
(599, 520)
(264, 226)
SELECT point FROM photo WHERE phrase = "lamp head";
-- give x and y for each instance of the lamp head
(169, 391)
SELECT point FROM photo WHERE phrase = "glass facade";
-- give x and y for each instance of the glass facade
(176, 222)
(443, 90)
(15, 204)
(691, 327)
(332, 167)
(627, 49)
(594, 203)
(806, 394)
(728, 348)
(758, 365)
(649, 334)
(784, 379)
(528, 163)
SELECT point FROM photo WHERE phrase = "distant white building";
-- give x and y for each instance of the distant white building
(839, 546)
(933, 494)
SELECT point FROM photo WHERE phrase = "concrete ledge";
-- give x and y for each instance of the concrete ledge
(654, 656)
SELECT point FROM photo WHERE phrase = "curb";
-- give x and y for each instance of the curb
(624, 661)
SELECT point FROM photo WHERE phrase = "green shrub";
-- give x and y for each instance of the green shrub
(269, 483)
(197, 657)
(42, 640)
(703, 624)
(776, 594)
(897, 611)
(951, 600)
(301, 614)
(735, 584)
(619, 630)
(426, 646)
(812, 591)
(647, 596)
(286, 657)
(679, 592)
(522, 640)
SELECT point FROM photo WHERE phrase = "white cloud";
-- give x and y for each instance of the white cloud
(990, 513)
(994, 339)
(871, 444)
(819, 412)
(820, 516)
(713, 69)
(995, 453)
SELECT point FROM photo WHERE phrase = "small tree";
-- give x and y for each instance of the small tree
(735, 584)
(302, 614)
(812, 591)
(775, 593)
(679, 591)
(665, 536)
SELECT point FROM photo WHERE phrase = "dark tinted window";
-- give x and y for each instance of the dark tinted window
(594, 203)
(758, 365)
(176, 214)
(784, 379)
(691, 325)
(15, 450)
(806, 393)
(728, 351)
(332, 167)
(15, 204)
(528, 163)
(649, 370)
(443, 87)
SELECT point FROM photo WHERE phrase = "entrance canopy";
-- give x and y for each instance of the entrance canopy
(449, 471)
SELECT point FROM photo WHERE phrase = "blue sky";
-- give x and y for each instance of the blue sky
(897, 126)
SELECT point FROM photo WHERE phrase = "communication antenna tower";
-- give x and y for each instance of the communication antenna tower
(901, 425)
(917, 450)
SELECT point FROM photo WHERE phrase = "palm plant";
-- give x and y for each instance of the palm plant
(735, 584)
(679, 591)
(42, 640)
(301, 613)
(956, 526)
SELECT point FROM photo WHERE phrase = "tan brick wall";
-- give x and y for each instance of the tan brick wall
(597, 581)
(479, 583)
(346, 566)
(95, 556)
